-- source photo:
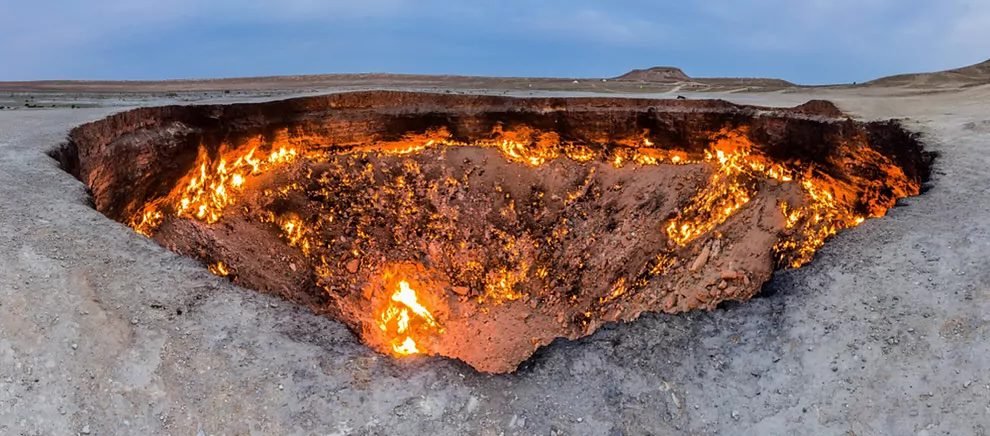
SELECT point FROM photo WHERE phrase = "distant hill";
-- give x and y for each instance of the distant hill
(676, 75)
(977, 74)
(655, 79)
(656, 74)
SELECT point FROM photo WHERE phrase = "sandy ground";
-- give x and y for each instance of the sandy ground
(104, 332)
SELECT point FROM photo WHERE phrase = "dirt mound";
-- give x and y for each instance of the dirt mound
(820, 108)
(656, 74)
(482, 228)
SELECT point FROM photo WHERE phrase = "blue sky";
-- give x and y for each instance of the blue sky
(806, 41)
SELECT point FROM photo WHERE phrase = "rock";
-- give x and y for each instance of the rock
(85, 429)
(729, 275)
(352, 266)
(461, 290)
(723, 284)
(701, 260)
(716, 248)
(736, 415)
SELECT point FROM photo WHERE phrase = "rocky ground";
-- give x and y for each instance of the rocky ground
(104, 332)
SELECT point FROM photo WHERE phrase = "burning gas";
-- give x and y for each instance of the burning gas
(351, 210)
(403, 317)
(210, 188)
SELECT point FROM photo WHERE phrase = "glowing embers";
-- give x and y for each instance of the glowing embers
(294, 231)
(810, 225)
(405, 323)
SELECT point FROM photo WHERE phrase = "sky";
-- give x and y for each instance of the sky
(805, 41)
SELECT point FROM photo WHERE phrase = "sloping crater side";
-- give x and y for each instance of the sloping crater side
(481, 227)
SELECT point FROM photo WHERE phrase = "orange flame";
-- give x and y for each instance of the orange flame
(397, 319)
(209, 188)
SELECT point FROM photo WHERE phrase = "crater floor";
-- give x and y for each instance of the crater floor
(885, 332)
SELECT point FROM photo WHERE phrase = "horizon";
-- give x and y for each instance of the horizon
(813, 43)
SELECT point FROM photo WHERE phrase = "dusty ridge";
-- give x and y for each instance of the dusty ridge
(977, 74)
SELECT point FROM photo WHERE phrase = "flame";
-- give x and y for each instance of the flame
(739, 171)
(295, 231)
(407, 347)
(402, 317)
(148, 222)
(730, 187)
(618, 289)
(813, 223)
(500, 285)
(219, 269)
(209, 188)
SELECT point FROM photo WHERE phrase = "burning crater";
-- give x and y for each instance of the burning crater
(481, 228)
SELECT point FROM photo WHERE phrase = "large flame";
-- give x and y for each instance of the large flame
(209, 189)
(402, 318)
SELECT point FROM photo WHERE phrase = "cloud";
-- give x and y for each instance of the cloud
(41, 34)
(821, 40)
(590, 25)
(969, 33)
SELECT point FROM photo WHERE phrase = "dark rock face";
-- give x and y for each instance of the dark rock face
(507, 249)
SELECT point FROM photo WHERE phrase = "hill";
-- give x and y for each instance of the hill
(976, 74)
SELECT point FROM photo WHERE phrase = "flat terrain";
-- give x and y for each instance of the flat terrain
(887, 332)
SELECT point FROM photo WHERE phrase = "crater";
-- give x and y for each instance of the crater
(481, 228)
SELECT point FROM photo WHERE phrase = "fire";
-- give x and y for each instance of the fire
(294, 231)
(403, 317)
(219, 269)
(618, 289)
(210, 188)
(407, 347)
(149, 220)
(739, 170)
(207, 194)
(813, 223)
(500, 285)
(731, 187)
